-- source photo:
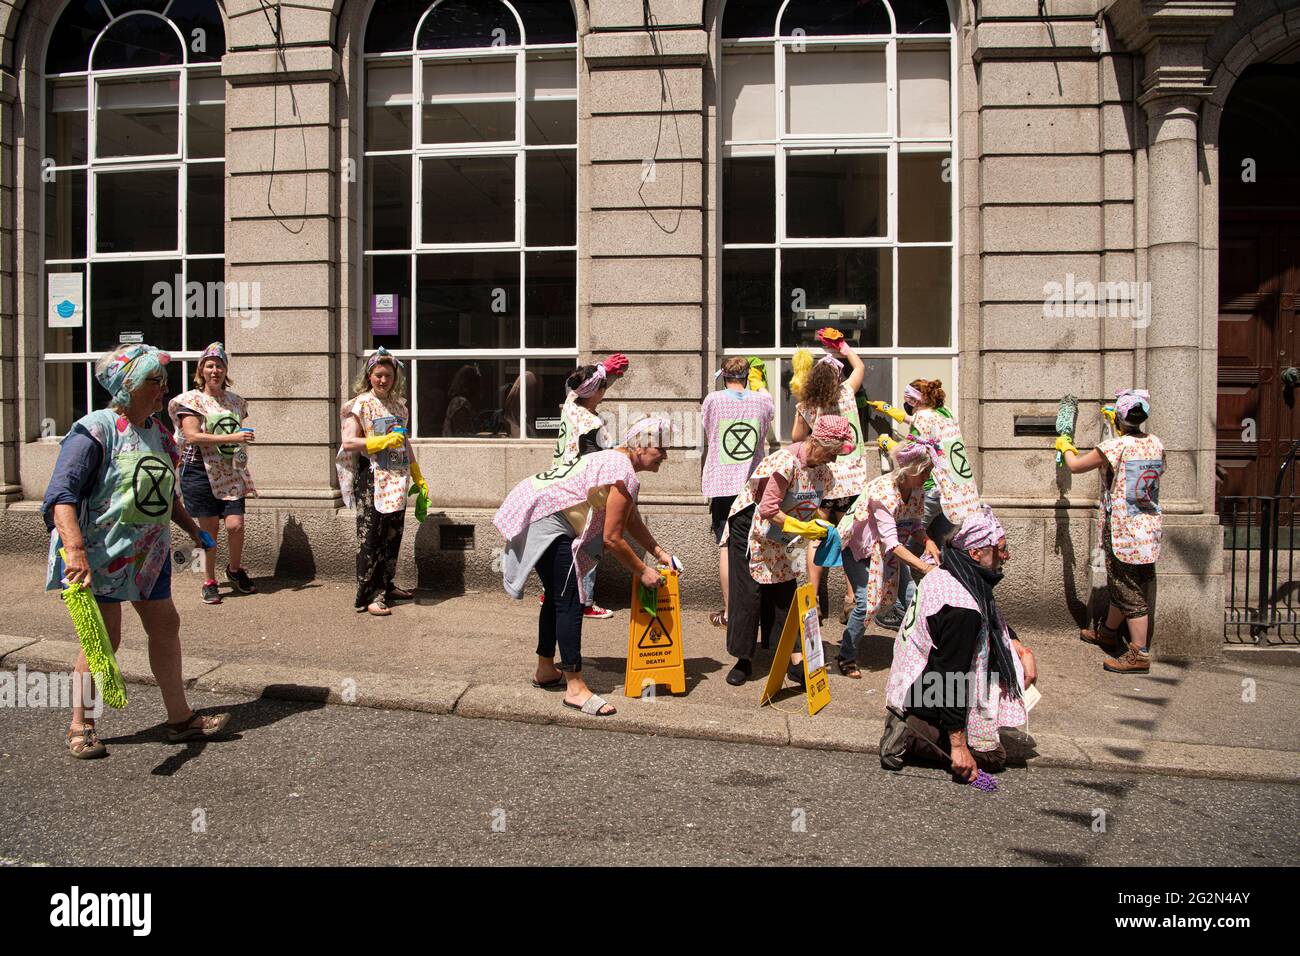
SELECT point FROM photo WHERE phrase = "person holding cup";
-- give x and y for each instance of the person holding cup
(376, 472)
(215, 480)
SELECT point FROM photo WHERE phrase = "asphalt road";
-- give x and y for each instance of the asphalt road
(303, 783)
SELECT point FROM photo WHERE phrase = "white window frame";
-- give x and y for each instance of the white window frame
(890, 142)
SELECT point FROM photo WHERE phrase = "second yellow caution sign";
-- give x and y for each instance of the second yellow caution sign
(802, 623)
(654, 642)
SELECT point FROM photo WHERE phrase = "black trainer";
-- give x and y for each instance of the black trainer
(891, 619)
(210, 593)
(240, 579)
(740, 673)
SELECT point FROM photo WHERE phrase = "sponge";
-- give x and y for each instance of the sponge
(1067, 414)
(98, 648)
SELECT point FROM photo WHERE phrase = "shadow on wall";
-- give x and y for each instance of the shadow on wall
(295, 560)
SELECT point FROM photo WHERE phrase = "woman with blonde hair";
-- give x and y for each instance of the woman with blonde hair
(209, 422)
(889, 513)
(376, 472)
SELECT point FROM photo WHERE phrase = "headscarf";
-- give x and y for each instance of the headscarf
(833, 431)
(741, 376)
(128, 369)
(592, 385)
(913, 394)
(1127, 399)
(217, 351)
(648, 433)
(912, 449)
(379, 355)
(982, 530)
(832, 360)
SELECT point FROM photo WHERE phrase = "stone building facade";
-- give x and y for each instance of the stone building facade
(671, 164)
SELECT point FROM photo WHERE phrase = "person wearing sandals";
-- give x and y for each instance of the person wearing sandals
(734, 421)
(558, 523)
(209, 422)
(777, 508)
(889, 512)
(109, 507)
(582, 432)
(376, 472)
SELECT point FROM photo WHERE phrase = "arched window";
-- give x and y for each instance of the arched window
(470, 208)
(838, 185)
(133, 174)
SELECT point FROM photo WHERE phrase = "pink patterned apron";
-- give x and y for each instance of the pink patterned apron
(769, 555)
(226, 465)
(391, 468)
(858, 534)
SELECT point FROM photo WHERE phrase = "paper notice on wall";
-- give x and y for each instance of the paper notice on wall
(66, 300)
(383, 314)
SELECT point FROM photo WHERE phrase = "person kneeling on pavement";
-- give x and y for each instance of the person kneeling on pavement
(959, 672)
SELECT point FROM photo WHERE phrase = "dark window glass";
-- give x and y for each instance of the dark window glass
(457, 24)
(388, 202)
(388, 276)
(835, 196)
(206, 305)
(138, 117)
(551, 194)
(924, 197)
(546, 393)
(467, 300)
(468, 101)
(138, 41)
(65, 394)
(547, 21)
(206, 116)
(748, 199)
(818, 278)
(550, 292)
(748, 276)
(205, 214)
(819, 18)
(392, 25)
(468, 199)
(136, 211)
(135, 296)
(922, 16)
(119, 7)
(65, 215)
(388, 106)
(925, 296)
(65, 121)
(750, 18)
(465, 398)
(208, 45)
(551, 123)
(75, 31)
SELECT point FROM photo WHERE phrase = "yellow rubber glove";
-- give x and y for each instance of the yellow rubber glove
(808, 529)
(1108, 413)
(418, 478)
(377, 443)
(886, 443)
(1063, 444)
(897, 414)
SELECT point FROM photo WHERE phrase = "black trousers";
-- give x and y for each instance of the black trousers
(754, 606)
(379, 539)
(560, 617)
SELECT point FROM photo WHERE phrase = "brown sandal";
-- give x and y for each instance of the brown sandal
(718, 618)
(84, 744)
(849, 669)
(209, 725)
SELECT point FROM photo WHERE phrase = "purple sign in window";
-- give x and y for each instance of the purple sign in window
(383, 314)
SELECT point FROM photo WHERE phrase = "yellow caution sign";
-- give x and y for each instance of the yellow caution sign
(801, 622)
(654, 642)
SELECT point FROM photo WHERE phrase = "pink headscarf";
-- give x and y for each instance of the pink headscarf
(912, 394)
(832, 430)
(914, 449)
(1126, 399)
(980, 530)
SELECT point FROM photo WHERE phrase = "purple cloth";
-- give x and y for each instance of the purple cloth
(1128, 398)
(980, 530)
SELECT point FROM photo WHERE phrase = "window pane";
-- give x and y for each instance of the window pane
(547, 21)
(136, 211)
(877, 386)
(923, 16)
(469, 101)
(749, 199)
(77, 27)
(468, 199)
(138, 117)
(551, 294)
(820, 278)
(138, 41)
(65, 395)
(468, 300)
(836, 196)
(454, 24)
(61, 339)
(134, 296)
(834, 17)
(465, 398)
(546, 395)
(205, 213)
(748, 284)
(551, 110)
(65, 216)
(923, 96)
(552, 198)
(836, 90)
(924, 197)
(388, 319)
(756, 18)
(65, 121)
(925, 296)
(206, 305)
(910, 369)
(389, 106)
(207, 117)
(391, 26)
(388, 202)
(748, 104)
(209, 44)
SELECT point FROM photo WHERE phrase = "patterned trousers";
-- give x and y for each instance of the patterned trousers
(379, 539)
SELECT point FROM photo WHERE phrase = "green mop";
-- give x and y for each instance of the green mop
(93, 635)
(1067, 414)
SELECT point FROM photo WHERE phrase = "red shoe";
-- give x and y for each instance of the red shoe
(541, 599)
(594, 612)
